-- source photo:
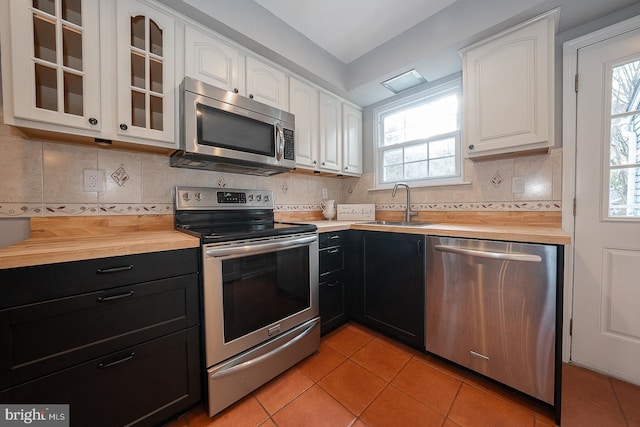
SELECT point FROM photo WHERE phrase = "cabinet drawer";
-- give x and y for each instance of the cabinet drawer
(334, 238)
(28, 285)
(332, 301)
(41, 338)
(331, 259)
(123, 387)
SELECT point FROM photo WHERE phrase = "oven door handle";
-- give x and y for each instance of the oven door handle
(228, 371)
(256, 247)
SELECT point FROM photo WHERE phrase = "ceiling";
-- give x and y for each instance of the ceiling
(350, 46)
(347, 29)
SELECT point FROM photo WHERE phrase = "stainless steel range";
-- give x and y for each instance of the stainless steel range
(260, 288)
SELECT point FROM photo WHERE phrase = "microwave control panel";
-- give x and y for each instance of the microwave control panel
(289, 150)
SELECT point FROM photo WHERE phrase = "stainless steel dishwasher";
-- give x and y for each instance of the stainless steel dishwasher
(491, 307)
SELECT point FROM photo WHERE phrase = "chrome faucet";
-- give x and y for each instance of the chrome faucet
(410, 213)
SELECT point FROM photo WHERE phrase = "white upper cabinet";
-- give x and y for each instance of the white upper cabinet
(330, 133)
(351, 140)
(55, 63)
(303, 103)
(146, 84)
(266, 84)
(508, 90)
(211, 61)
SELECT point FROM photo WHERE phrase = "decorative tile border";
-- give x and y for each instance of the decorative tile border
(297, 208)
(530, 206)
(524, 206)
(135, 209)
(70, 209)
(17, 210)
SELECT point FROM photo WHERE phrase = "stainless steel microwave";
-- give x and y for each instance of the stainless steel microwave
(223, 131)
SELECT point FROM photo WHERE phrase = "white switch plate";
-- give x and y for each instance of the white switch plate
(325, 194)
(93, 180)
(517, 184)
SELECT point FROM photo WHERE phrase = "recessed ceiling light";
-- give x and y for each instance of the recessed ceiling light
(404, 81)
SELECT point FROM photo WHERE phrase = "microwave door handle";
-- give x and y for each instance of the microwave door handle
(279, 137)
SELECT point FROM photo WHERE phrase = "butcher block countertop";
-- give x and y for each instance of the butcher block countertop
(49, 250)
(66, 239)
(515, 233)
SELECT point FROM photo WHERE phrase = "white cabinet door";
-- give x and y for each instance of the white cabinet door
(55, 56)
(146, 56)
(351, 140)
(330, 133)
(211, 61)
(266, 84)
(508, 90)
(303, 103)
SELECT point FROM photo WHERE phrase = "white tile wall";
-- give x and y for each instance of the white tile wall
(43, 178)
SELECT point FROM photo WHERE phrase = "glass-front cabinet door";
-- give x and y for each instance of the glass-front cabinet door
(145, 72)
(55, 61)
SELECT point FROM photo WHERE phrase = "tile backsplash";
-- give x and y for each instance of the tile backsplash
(42, 178)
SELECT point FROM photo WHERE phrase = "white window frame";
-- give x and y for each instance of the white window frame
(431, 94)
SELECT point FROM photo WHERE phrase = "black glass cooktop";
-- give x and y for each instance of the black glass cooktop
(224, 233)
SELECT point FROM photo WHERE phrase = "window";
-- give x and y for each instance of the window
(624, 145)
(418, 139)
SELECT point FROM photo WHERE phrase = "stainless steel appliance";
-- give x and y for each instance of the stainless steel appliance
(492, 307)
(223, 131)
(260, 288)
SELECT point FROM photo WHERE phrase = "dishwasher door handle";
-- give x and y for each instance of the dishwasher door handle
(505, 256)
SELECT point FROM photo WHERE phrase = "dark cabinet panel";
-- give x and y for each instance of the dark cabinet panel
(55, 334)
(332, 280)
(27, 285)
(145, 384)
(117, 338)
(390, 293)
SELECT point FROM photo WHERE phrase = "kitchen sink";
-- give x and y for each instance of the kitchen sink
(399, 223)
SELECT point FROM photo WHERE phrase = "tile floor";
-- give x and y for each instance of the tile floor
(360, 378)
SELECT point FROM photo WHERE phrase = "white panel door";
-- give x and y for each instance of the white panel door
(606, 301)
(303, 103)
(267, 84)
(351, 140)
(210, 61)
(330, 133)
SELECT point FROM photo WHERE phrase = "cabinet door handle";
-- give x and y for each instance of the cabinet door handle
(115, 297)
(332, 284)
(114, 269)
(419, 248)
(333, 251)
(117, 362)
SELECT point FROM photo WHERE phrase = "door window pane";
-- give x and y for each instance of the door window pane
(624, 143)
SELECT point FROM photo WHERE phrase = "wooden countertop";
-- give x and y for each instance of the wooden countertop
(514, 233)
(48, 250)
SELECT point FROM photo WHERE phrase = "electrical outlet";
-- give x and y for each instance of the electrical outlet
(517, 184)
(93, 180)
(325, 194)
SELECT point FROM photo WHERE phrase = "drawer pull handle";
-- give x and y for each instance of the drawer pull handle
(114, 269)
(333, 251)
(115, 297)
(335, 236)
(117, 362)
(332, 284)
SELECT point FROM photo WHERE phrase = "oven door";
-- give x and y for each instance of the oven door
(256, 289)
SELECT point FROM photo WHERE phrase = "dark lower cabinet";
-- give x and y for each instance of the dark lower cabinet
(332, 284)
(389, 284)
(119, 349)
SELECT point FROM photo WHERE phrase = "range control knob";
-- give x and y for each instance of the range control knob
(258, 197)
(186, 196)
(199, 196)
(266, 198)
(250, 197)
